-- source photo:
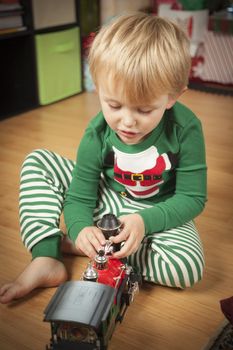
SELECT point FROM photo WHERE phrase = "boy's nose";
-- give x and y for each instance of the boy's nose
(128, 119)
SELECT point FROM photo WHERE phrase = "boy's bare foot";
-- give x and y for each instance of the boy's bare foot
(41, 272)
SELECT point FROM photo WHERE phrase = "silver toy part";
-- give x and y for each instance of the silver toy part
(90, 274)
(133, 289)
(108, 248)
(101, 260)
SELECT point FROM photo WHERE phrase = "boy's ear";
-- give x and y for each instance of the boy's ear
(171, 102)
(173, 99)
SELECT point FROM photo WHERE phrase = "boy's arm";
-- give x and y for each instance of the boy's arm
(189, 198)
(82, 196)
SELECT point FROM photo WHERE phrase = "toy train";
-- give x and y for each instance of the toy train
(83, 314)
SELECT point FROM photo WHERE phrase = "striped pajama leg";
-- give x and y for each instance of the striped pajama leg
(172, 258)
(45, 177)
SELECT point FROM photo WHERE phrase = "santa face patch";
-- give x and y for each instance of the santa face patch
(141, 173)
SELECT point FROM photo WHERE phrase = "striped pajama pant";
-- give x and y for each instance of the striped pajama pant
(172, 258)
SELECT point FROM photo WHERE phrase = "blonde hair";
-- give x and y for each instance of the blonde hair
(143, 55)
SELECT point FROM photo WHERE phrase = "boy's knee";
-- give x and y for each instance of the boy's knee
(35, 153)
(34, 157)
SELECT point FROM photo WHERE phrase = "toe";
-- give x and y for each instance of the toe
(7, 293)
(4, 288)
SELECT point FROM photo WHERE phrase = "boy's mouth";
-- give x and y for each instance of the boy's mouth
(127, 133)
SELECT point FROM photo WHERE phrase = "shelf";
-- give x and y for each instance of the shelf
(14, 34)
(18, 75)
(27, 80)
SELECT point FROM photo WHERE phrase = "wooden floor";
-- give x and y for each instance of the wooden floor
(160, 318)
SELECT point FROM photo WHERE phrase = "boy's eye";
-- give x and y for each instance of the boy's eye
(142, 111)
(114, 106)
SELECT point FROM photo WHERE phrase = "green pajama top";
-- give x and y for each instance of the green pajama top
(167, 170)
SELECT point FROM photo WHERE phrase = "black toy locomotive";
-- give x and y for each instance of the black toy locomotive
(83, 314)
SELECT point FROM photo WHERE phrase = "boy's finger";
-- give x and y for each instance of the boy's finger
(87, 248)
(121, 253)
(89, 251)
(126, 250)
(119, 238)
(100, 237)
(96, 244)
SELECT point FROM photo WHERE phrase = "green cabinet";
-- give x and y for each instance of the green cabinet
(58, 64)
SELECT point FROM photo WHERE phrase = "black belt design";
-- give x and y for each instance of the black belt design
(138, 177)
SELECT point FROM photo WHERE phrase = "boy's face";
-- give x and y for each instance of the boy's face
(132, 123)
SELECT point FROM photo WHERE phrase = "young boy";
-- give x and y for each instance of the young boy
(141, 158)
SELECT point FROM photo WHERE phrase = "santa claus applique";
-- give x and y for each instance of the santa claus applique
(141, 173)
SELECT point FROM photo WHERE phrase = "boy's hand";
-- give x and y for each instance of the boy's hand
(90, 240)
(132, 233)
